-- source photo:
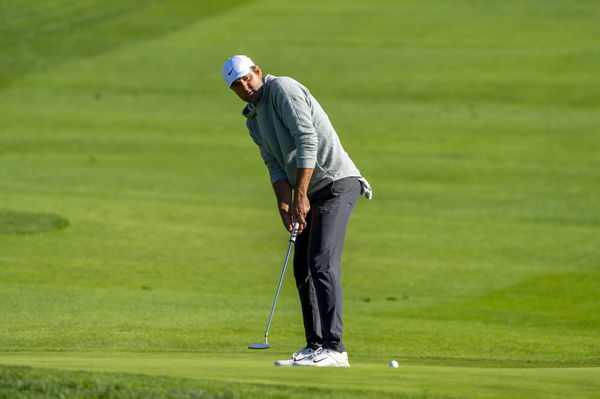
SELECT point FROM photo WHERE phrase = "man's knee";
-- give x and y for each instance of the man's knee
(324, 262)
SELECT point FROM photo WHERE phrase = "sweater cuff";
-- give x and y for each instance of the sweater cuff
(277, 175)
(306, 163)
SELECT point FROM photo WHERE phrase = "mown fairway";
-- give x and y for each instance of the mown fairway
(139, 234)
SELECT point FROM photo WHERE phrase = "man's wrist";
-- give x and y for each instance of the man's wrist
(300, 193)
(302, 183)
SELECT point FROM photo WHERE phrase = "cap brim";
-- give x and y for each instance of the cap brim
(237, 76)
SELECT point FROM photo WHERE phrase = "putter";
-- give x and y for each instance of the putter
(293, 236)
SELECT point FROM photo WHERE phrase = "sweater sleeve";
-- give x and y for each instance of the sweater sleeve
(293, 103)
(276, 173)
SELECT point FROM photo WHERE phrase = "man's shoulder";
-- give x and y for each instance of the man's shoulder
(284, 84)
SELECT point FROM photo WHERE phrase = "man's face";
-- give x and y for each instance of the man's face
(249, 87)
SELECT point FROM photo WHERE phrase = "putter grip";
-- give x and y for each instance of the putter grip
(295, 232)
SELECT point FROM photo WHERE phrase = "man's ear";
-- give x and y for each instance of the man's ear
(258, 71)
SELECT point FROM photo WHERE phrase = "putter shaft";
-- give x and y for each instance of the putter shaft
(293, 236)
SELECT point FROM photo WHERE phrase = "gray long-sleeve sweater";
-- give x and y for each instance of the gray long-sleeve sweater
(292, 131)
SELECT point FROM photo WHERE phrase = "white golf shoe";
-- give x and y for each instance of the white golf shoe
(324, 358)
(302, 354)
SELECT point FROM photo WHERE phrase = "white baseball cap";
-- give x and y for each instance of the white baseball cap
(236, 67)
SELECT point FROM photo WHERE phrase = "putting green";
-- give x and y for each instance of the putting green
(367, 375)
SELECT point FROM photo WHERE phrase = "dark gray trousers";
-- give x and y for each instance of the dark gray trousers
(317, 267)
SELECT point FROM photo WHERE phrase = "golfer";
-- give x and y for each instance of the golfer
(315, 183)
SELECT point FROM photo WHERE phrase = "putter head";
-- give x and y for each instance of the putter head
(259, 346)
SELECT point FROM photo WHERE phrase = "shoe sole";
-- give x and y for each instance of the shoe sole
(316, 365)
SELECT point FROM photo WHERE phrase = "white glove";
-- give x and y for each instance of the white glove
(366, 189)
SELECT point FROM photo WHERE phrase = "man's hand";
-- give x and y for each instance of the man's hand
(300, 210)
(287, 218)
(283, 193)
(301, 204)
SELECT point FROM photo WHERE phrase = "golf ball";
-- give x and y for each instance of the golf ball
(393, 364)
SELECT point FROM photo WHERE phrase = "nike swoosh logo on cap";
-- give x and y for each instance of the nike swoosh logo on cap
(230, 72)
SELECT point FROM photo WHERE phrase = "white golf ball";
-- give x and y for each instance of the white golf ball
(393, 364)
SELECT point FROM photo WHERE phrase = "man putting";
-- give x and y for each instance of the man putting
(315, 183)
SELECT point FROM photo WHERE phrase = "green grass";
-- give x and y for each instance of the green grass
(257, 378)
(475, 266)
(24, 382)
